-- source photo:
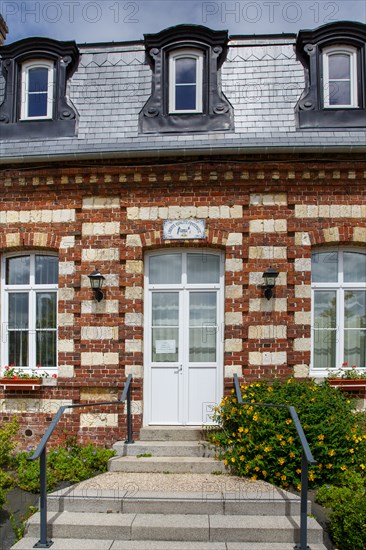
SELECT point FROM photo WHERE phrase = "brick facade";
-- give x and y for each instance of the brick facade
(259, 212)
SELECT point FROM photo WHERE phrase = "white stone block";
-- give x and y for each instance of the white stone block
(268, 252)
(302, 318)
(302, 291)
(230, 370)
(266, 306)
(99, 333)
(133, 240)
(301, 371)
(134, 293)
(234, 291)
(267, 332)
(233, 344)
(100, 255)
(302, 264)
(96, 203)
(302, 344)
(106, 228)
(66, 346)
(66, 294)
(134, 266)
(137, 371)
(67, 242)
(66, 268)
(133, 346)
(234, 265)
(66, 371)
(65, 319)
(236, 211)
(133, 213)
(234, 318)
(98, 420)
(134, 319)
(302, 238)
(105, 306)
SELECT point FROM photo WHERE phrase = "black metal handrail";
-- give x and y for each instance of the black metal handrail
(40, 453)
(306, 459)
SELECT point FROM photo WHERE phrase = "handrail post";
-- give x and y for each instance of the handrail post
(129, 417)
(43, 542)
(303, 505)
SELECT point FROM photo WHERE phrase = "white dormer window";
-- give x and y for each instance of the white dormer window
(185, 81)
(340, 77)
(37, 90)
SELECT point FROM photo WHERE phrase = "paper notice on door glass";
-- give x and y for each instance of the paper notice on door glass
(165, 346)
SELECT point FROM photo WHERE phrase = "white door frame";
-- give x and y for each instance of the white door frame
(183, 290)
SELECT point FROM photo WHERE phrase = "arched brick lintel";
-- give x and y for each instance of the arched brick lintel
(338, 234)
(29, 241)
(214, 238)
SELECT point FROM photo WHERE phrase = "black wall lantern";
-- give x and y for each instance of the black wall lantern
(269, 278)
(96, 282)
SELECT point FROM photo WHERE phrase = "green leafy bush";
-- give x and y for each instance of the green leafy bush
(8, 432)
(348, 516)
(72, 463)
(262, 442)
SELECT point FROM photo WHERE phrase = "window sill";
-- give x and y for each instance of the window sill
(332, 119)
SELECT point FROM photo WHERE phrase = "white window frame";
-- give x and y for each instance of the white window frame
(339, 287)
(197, 55)
(32, 289)
(26, 67)
(352, 53)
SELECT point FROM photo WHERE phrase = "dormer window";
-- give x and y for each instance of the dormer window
(185, 82)
(334, 60)
(35, 106)
(37, 90)
(186, 96)
(340, 77)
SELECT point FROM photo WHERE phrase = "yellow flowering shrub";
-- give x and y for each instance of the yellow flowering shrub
(264, 443)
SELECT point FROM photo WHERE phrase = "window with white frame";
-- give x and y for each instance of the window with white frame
(37, 89)
(340, 77)
(29, 298)
(185, 81)
(339, 309)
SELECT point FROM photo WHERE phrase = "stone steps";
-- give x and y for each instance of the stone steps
(166, 464)
(176, 527)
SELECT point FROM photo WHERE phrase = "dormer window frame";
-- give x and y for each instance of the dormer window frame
(174, 57)
(327, 53)
(26, 67)
(314, 48)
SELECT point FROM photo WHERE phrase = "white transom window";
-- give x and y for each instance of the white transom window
(340, 77)
(338, 309)
(29, 311)
(37, 90)
(185, 81)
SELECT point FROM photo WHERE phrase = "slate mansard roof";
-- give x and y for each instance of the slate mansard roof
(262, 78)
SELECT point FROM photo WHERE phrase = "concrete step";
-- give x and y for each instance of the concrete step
(177, 527)
(171, 433)
(163, 448)
(90, 544)
(273, 502)
(166, 464)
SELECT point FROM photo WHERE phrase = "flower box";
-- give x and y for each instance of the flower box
(350, 385)
(20, 383)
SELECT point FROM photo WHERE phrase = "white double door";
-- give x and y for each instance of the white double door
(183, 337)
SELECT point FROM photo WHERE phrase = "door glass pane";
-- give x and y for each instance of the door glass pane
(46, 310)
(165, 269)
(325, 309)
(18, 348)
(46, 348)
(203, 327)
(165, 331)
(324, 344)
(324, 267)
(354, 267)
(46, 270)
(17, 270)
(203, 268)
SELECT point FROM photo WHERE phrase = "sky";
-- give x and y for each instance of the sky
(125, 20)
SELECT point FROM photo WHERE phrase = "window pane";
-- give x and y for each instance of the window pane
(46, 270)
(202, 309)
(324, 342)
(324, 267)
(339, 66)
(18, 348)
(355, 309)
(38, 80)
(46, 348)
(46, 310)
(18, 310)
(165, 343)
(165, 309)
(339, 92)
(325, 309)
(17, 270)
(354, 267)
(354, 347)
(37, 104)
(185, 71)
(185, 97)
(166, 269)
(203, 268)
